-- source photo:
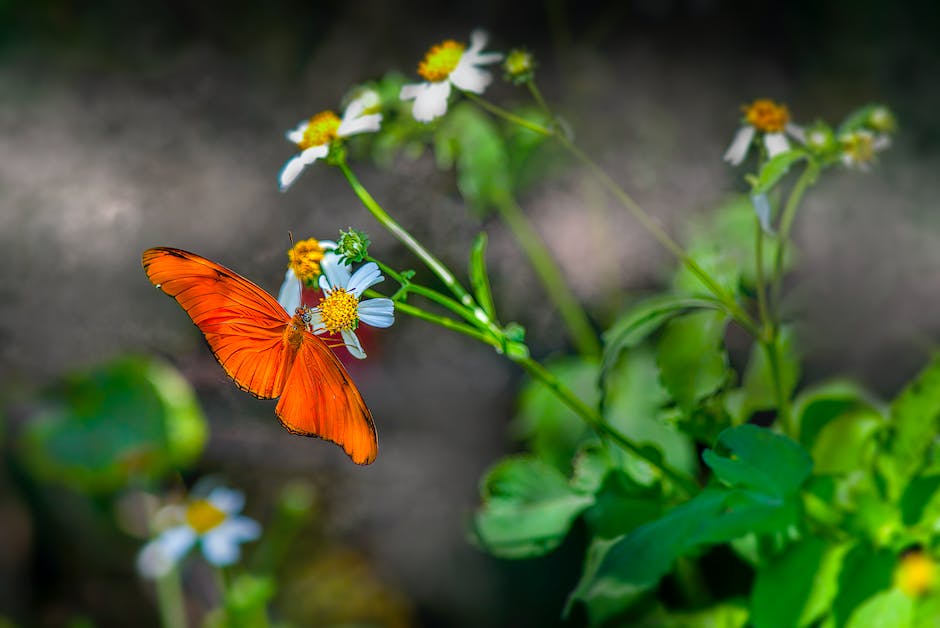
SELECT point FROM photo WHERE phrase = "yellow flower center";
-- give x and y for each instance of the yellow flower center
(321, 129)
(518, 62)
(305, 258)
(859, 147)
(339, 311)
(916, 574)
(441, 60)
(766, 115)
(202, 516)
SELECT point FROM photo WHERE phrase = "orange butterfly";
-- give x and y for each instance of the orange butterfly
(268, 352)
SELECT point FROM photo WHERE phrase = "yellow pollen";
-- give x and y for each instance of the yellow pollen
(860, 147)
(202, 516)
(339, 311)
(441, 60)
(916, 574)
(305, 258)
(321, 129)
(766, 115)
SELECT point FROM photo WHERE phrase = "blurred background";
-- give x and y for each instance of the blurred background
(130, 125)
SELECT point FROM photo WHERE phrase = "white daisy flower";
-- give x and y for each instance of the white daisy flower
(340, 310)
(449, 63)
(772, 121)
(304, 268)
(212, 521)
(314, 136)
(861, 147)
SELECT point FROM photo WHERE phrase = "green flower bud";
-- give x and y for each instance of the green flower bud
(353, 245)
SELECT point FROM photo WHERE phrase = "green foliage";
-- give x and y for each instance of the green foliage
(758, 388)
(691, 357)
(479, 278)
(134, 418)
(775, 169)
(244, 604)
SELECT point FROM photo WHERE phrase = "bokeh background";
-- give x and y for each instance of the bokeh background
(130, 125)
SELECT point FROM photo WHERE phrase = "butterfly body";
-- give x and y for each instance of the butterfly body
(266, 351)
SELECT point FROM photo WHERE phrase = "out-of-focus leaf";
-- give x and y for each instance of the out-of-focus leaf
(888, 608)
(865, 572)
(244, 603)
(134, 417)
(847, 443)
(921, 500)
(797, 587)
(470, 140)
(550, 429)
(643, 319)
(914, 424)
(528, 507)
(691, 357)
(753, 457)
(815, 407)
(775, 168)
(758, 385)
(726, 615)
(479, 278)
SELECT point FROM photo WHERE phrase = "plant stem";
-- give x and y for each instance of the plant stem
(508, 115)
(759, 272)
(579, 326)
(597, 422)
(786, 223)
(428, 293)
(436, 266)
(170, 599)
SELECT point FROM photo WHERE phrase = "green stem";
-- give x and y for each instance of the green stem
(597, 422)
(436, 266)
(428, 293)
(770, 332)
(539, 100)
(759, 271)
(634, 208)
(786, 223)
(552, 280)
(171, 601)
(443, 321)
(771, 346)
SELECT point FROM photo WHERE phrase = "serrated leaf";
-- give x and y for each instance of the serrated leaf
(775, 168)
(479, 278)
(691, 357)
(753, 457)
(528, 508)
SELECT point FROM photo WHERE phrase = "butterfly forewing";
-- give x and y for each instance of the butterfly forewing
(246, 331)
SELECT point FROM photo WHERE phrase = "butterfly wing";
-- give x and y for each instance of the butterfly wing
(320, 400)
(242, 323)
(245, 328)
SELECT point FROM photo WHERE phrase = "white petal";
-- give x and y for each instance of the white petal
(352, 344)
(881, 142)
(336, 273)
(470, 78)
(153, 562)
(220, 548)
(377, 312)
(477, 40)
(365, 124)
(294, 166)
(327, 245)
(410, 91)
(313, 153)
(367, 276)
(296, 134)
(289, 294)
(160, 555)
(316, 322)
(227, 500)
(354, 109)
(739, 145)
(796, 132)
(241, 528)
(776, 143)
(431, 101)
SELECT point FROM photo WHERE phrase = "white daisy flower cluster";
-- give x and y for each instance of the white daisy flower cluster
(767, 121)
(866, 136)
(315, 137)
(447, 64)
(341, 308)
(212, 521)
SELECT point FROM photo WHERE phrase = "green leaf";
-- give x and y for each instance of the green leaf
(528, 507)
(847, 443)
(816, 407)
(469, 139)
(132, 418)
(549, 428)
(691, 357)
(865, 572)
(775, 168)
(753, 457)
(759, 391)
(914, 423)
(244, 603)
(796, 588)
(479, 278)
(888, 608)
(643, 319)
